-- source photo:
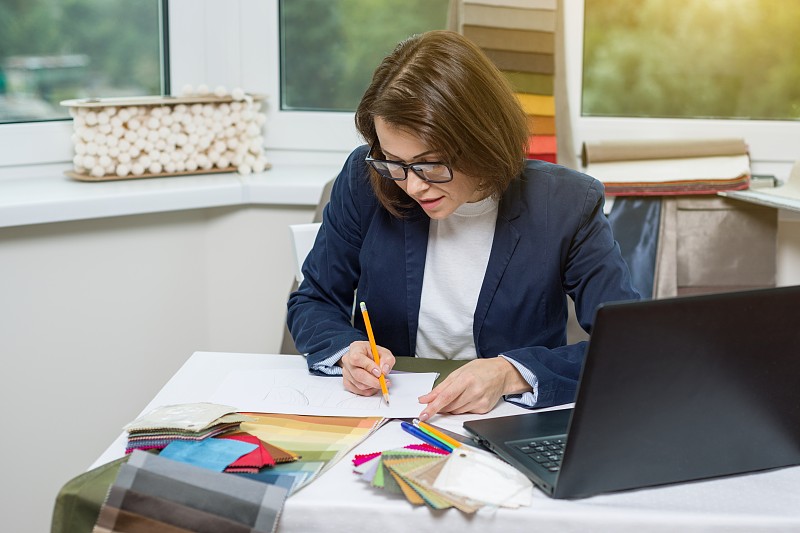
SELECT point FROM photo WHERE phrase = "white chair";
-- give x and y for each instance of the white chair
(303, 236)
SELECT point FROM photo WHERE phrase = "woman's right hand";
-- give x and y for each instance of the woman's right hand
(360, 372)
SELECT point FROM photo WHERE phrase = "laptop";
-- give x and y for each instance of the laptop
(671, 390)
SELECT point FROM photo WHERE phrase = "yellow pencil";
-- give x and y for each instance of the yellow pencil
(374, 348)
(453, 443)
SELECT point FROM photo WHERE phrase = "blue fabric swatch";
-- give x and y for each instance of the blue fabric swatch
(214, 454)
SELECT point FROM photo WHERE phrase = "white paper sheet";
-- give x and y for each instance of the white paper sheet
(297, 392)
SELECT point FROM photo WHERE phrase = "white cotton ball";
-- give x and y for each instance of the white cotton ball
(119, 133)
(91, 119)
(230, 132)
(134, 152)
(180, 109)
(113, 152)
(163, 132)
(169, 167)
(237, 93)
(100, 140)
(233, 143)
(78, 122)
(220, 146)
(216, 115)
(104, 160)
(102, 117)
(124, 145)
(80, 148)
(203, 90)
(213, 156)
(102, 149)
(137, 169)
(178, 155)
(152, 136)
(165, 158)
(153, 123)
(204, 162)
(134, 124)
(98, 171)
(253, 130)
(87, 134)
(260, 119)
(259, 166)
(160, 145)
(155, 112)
(111, 141)
(131, 136)
(220, 91)
(124, 114)
(104, 128)
(91, 148)
(256, 145)
(250, 159)
(196, 109)
(187, 90)
(176, 127)
(123, 170)
(244, 169)
(180, 139)
(155, 168)
(145, 161)
(223, 162)
(115, 122)
(124, 157)
(77, 161)
(205, 142)
(191, 165)
(180, 166)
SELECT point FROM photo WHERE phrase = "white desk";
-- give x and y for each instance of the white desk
(339, 501)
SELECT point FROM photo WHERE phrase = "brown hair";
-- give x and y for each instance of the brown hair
(442, 88)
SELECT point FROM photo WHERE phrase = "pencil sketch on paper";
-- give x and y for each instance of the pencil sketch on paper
(320, 397)
(298, 392)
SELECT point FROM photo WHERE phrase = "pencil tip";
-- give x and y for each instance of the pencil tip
(386, 398)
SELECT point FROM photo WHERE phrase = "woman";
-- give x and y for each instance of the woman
(460, 248)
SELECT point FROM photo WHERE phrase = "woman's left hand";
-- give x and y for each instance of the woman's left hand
(474, 388)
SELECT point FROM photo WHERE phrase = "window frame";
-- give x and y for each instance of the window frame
(236, 43)
(770, 141)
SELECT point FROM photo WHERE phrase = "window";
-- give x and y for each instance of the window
(328, 65)
(655, 63)
(51, 50)
(688, 59)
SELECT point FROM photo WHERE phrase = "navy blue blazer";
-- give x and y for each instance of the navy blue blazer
(551, 240)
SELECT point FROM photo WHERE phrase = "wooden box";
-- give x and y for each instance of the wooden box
(144, 137)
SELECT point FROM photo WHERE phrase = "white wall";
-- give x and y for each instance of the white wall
(95, 316)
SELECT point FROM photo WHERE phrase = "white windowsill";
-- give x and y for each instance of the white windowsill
(46, 195)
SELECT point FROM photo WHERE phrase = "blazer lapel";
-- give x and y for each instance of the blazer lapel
(416, 229)
(506, 237)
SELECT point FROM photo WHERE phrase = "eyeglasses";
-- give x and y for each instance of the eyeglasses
(433, 172)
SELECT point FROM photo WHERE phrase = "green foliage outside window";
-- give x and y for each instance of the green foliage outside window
(330, 48)
(691, 58)
(52, 50)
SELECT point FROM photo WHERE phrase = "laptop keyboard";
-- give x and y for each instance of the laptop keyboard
(547, 452)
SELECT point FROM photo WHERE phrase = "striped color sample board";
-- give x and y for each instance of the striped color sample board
(519, 37)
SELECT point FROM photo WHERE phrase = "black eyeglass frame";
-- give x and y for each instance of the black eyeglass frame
(371, 162)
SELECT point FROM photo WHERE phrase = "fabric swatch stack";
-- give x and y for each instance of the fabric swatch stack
(466, 479)
(185, 422)
(519, 37)
(152, 493)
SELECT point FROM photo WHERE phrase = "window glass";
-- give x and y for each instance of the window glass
(690, 59)
(54, 50)
(329, 48)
